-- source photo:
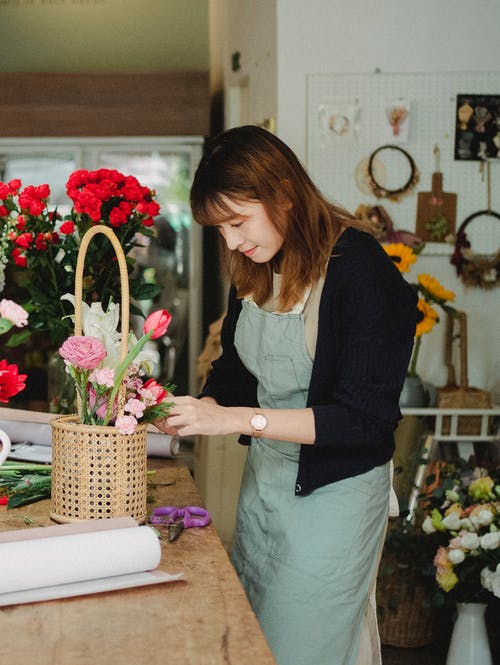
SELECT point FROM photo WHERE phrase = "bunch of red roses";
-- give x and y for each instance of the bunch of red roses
(42, 247)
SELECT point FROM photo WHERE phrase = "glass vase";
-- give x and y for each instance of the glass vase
(414, 393)
(61, 391)
(469, 640)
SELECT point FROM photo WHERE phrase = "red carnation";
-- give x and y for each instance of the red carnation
(19, 258)
(11, 382)
(4, 191)
(117, 217)
(24, 240)
(3, 211)
(14, 185)
(67, 227)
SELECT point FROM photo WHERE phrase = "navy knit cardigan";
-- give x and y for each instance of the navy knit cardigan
(366, 327)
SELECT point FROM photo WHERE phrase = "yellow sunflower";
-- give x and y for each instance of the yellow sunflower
(434, 288)
(430, 318)
(402, 255)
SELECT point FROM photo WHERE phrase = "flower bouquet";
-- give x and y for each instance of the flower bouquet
(39, 248)
(463, 513)
(99, 455)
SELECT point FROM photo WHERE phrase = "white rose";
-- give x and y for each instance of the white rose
(427, 526)
(452, 522)
(491, 580)
(490, 541)
(470, 541)
(456, 556)
(13, 312)
(483, 518)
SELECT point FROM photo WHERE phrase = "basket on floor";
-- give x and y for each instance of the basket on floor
(402, 619)
(96, 471)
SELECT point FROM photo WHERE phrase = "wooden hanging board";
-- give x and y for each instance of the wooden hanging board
(434, 206)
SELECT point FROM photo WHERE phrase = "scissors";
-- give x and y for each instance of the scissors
(188, 517)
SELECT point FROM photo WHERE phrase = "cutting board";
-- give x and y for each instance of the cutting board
(435, 205)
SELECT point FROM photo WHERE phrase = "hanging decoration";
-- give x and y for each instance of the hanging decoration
(477, 130)
(398, 117)
(393, 193)
(479, 270)
(436, 210)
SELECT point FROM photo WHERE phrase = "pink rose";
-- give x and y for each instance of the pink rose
(83, 351)
(158, 322)
(13, 312)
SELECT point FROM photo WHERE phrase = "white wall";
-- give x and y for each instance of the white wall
(349, 36)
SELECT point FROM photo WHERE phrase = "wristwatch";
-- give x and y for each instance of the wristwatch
(258, 423)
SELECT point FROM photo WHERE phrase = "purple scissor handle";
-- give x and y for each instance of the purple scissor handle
(178, 519)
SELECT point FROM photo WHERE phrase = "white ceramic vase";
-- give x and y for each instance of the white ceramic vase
(469, 639)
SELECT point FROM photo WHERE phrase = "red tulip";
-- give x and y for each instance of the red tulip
(158, 322)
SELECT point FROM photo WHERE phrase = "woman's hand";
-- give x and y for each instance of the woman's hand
(189, 416)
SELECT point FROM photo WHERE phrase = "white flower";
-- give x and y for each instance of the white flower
(427, 525)
(101, 324)
(490, 541)
(456, 556)
(452, 521)
(491, 580)
(470, 541)
(483, 518)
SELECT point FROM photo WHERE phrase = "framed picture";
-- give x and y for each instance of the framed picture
(477, 127)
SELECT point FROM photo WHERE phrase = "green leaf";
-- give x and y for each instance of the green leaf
(18, 338)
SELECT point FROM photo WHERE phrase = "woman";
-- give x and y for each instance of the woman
(316, 342)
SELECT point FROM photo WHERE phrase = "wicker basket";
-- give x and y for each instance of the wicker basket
(462, 396)
(402, 620)
(96, 471)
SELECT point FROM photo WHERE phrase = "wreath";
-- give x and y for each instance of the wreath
(478, 270)
(383, 192)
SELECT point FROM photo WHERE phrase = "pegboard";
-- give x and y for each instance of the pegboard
(333, 155)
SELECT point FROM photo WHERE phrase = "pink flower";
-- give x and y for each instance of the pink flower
(135, 407)
(13, 312)
(153, 389)
(83, 351)
(103, 377)
(126, 424)
(158, 322)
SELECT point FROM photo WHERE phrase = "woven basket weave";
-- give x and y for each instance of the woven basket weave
(96, 471)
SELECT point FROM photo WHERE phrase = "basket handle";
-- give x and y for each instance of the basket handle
(125, 300)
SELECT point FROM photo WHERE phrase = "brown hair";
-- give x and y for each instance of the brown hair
(251, 164)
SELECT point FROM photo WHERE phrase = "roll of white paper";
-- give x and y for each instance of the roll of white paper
(43, 562)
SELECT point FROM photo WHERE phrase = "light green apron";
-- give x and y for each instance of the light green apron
(306, 562)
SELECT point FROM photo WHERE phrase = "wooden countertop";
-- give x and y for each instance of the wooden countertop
(204, 620)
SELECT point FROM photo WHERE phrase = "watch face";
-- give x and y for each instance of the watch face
(258, 422)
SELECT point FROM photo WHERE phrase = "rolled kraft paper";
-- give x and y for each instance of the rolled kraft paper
(43, 562)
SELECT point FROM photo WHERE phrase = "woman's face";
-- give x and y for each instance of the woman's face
(248, 230)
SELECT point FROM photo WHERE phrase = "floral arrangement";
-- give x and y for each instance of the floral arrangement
(115, 393)
(11, 382)
(463, 513)
(430, 292)
(41, 247)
